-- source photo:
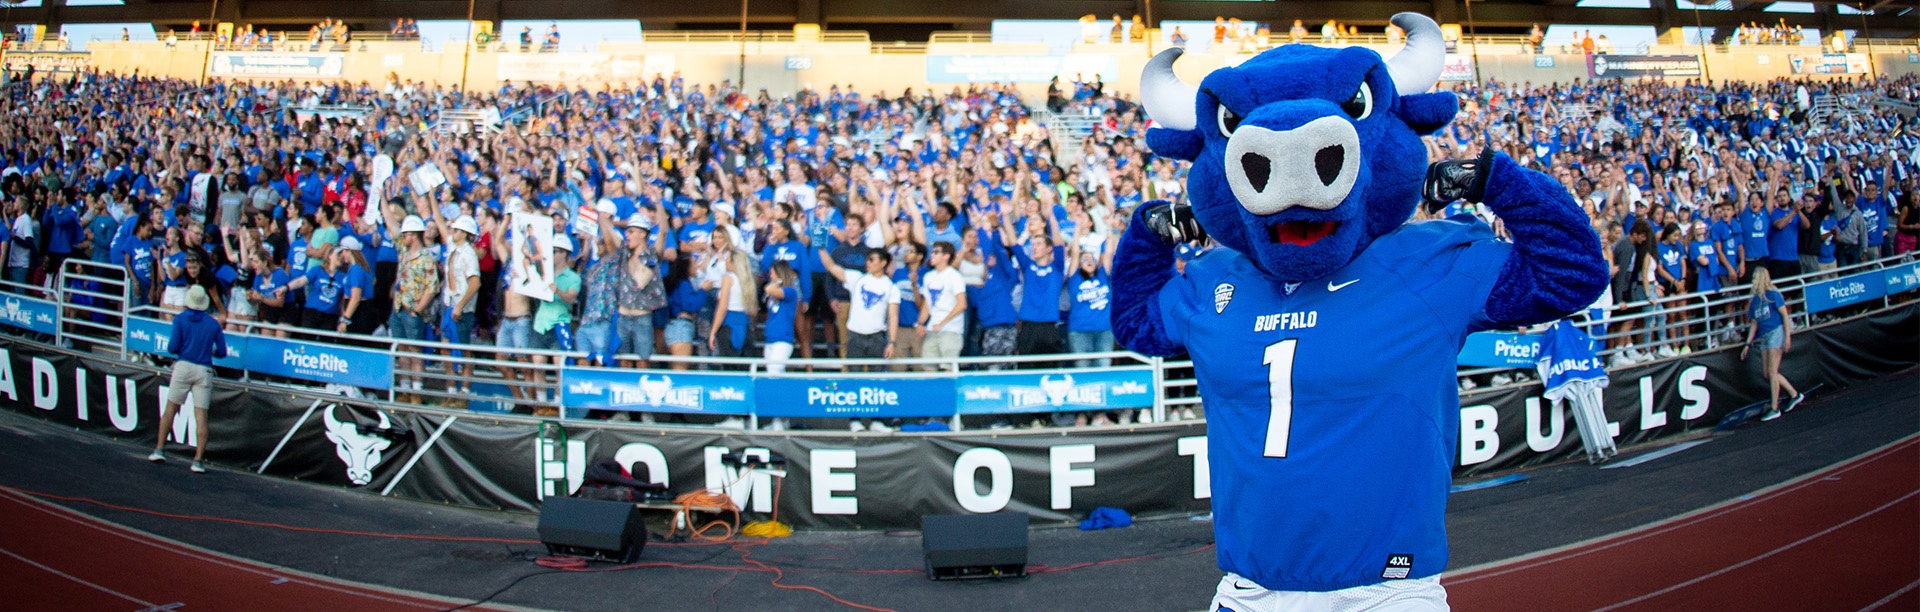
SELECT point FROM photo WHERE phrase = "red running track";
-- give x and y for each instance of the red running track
(1844, 538)
(52, 558)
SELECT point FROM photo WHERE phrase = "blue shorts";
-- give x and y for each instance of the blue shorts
(1773, 339)
(679, 331)
(594, 338)
(636, 336)
(515, 333)
(404, 326)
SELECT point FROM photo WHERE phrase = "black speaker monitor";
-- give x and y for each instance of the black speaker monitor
(961, 546)
(604, 530)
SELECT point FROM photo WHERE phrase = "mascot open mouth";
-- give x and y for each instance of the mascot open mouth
(1301, 233)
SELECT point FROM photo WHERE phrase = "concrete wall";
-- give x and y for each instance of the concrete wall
(854, 64)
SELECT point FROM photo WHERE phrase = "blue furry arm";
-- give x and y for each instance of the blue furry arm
(1142, 265)
(1556, 267)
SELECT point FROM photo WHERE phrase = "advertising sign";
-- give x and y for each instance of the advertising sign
(1636, 66)
(656, 391)
(799, 62)
(49, 61)
(1457, 68)
(854, 397)
(151, 336)
(582, 67)
(1499, 349)
(1018, 68)
(1056, 391)
(1830, 63)
(1847, 290)
(277, 65)
(30, 314)
(320, 362)
(1543, 61)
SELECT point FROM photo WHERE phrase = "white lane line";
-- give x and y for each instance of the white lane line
(1761, 556)
(1655, 454)
(1889, 599)
(74, 578)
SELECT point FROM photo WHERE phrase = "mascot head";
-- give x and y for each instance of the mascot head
(1303, 155)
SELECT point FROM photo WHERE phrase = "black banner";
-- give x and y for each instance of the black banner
(851, 480)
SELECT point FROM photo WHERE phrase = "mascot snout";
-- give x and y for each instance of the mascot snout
(1314, 165)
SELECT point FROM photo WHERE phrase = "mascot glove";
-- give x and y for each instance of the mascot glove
(1173, 223)
(1454, 180)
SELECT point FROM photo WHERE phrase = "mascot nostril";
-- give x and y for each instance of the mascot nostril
(1328, 162)
(1326, 327)
(1258, 168)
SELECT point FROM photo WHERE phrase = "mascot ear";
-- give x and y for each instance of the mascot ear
(1428, 112)
(1178, 144)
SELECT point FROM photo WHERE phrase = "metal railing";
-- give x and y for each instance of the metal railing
(93, 302)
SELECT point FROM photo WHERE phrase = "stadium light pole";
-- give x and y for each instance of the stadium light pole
(742, 83)
(466, 50)
(1472, 38)
(207, 56)
(1867, 35)
(1701, 31)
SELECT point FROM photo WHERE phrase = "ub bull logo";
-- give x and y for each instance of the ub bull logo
(361, 451)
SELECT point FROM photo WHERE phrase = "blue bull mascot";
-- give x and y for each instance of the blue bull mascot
(1324, 334)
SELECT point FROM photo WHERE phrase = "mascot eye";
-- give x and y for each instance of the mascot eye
(1361, 106)
(1228, 121)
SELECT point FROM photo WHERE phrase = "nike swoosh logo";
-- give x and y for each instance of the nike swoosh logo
(1332, 287)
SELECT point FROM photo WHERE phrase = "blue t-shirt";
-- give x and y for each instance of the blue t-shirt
(1706, 265)
(1876, 216)
(1089, 312)
(1727, 237)
(270, 282)
(104, 231)
(906, 281)
(1765, 312)
(176, 261)
(1783, 244)
(1040, 286)
(696, 232)
(993, 299)
(357, 278)
(324, 291)
(1672, 259)
(780, 310)
(1827, 226)
(797, 257)
(1366, 421)
(1753, 231)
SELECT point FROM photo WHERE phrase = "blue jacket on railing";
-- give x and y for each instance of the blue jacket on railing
(197, 338)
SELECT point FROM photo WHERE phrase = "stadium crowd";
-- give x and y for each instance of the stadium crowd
(694, 219)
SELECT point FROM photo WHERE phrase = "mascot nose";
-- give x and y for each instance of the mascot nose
(1314, 165)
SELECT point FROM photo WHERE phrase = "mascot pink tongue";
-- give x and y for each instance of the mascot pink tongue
(1323, 334)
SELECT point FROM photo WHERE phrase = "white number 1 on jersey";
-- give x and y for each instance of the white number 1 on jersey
(1279, 362)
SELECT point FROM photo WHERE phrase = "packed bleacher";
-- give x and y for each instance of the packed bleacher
(694, 219)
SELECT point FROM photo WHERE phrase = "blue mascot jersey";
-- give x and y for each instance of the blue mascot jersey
(1332, 409)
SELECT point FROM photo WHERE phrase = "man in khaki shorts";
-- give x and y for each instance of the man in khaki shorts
(196, 341)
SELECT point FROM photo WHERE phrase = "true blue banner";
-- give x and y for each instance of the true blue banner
(319, 362)
(1056, 391)
(151, 336)
(656, 391)
(854, 397)
(1500, 350)
(30, 314)
(1846, 291)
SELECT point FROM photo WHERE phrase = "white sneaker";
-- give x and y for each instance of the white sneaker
(620, 417)
(1186, 414)
(1467, 384)
(1638, 356)
(732, 423)
(1795, 402)
(1771, 415)
(646, 418)
(776, 425)
(1144, 417)
(1667, 352)
(157, 457)
(1620, 360)
(1126, 418)
(880, 427)
(856, 425)
(1502, 379)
